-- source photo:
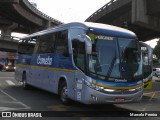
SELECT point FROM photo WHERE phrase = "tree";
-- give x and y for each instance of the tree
(156, 50)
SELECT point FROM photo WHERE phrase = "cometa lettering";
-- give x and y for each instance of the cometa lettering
(44, 61)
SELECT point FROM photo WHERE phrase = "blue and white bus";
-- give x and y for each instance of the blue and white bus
(90, 63)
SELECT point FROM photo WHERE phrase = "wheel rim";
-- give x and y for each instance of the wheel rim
(64, 94)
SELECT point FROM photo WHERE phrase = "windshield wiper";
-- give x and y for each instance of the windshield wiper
(111, 67)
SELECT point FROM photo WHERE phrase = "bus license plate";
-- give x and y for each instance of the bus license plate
(119, 99)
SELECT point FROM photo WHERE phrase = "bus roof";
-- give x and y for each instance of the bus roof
(97, 27)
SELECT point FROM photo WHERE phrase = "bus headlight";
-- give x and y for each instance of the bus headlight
(89, 82)
(109, 90)
(139, 88)
(136, 89)
(7, 67)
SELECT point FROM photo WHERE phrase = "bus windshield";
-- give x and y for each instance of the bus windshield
(113, 57)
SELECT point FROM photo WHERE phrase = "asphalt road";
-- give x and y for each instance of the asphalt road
(14, 98)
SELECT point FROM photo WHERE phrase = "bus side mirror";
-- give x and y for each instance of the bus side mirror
(88, 44)
(87, 40)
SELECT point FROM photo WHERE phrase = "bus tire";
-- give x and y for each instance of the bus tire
(63, 94)
(24, 82)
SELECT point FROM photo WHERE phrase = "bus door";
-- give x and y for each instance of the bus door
(63, 62)
(79, 56)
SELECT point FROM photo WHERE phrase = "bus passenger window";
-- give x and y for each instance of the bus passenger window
(46, 44)
(26, 46)
(62, 43)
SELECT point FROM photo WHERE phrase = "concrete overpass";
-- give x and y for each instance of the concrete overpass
(8, 43)
(140, 16)
(20, 16)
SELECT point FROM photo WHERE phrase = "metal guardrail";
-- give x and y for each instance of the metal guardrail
(35, 10)
(109, 4)
(101, 9)
(9, 38)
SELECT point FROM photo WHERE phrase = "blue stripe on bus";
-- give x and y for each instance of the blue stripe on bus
(46, 60)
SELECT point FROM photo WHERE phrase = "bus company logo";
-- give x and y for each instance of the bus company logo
(44, 61)
(122, 80)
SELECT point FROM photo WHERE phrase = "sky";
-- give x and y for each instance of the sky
(69, 10)
(72, 10)
(152, 43)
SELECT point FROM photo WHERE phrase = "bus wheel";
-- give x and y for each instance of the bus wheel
(24, 82)
(63, 94)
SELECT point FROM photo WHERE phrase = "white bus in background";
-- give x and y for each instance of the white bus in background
(147, 55)
(87, 62)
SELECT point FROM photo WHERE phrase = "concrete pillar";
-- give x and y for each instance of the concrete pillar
(153, 7)
(141, 18)
(48, 24)
(6, 33)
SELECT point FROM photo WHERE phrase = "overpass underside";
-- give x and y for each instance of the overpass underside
(11, 19)
(20, 16)
(8, 45)
(135, 15)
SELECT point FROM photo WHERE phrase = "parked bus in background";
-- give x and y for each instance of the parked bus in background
(87, 62)
(147, 55)
(7, 63)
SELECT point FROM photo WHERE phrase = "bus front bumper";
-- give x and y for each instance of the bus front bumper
(92, 96)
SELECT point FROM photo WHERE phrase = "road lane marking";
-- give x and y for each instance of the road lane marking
(8, 95)
(151, 92)
(10, 82)
(152, 96)
(8, 109)
(14, 100)
(58, 107)
(8, 77)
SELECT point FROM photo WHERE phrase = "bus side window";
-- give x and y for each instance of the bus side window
(79, 54)
(26, 46)
(46, 44)
(62, 43)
